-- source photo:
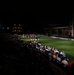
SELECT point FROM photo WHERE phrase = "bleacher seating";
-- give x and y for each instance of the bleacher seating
(17, 57)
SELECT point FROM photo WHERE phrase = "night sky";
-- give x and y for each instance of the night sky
(36, 16)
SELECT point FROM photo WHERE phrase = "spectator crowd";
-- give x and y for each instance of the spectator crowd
(17, 57)
(21, 58)
(58, 57)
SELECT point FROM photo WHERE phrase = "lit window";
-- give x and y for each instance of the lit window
(7, 27)
(14, 24)
(18, 27)
(19, 24)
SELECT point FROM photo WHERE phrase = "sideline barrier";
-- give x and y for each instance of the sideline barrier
(57, 70)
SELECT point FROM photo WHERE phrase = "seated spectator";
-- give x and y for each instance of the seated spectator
(52, 52)
(54, 56)
(56, 51)
(58, 58)
(70, 64)
(53, 49)
(63, 53)
(64, 62)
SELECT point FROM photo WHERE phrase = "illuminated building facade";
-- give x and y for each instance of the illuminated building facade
(17, 28)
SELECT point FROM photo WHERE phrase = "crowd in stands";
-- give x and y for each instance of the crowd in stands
(21, 58)
(60, 58)
(31, 36)
(17, 57)
(56, 56)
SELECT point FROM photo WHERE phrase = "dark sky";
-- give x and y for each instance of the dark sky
(33, 15)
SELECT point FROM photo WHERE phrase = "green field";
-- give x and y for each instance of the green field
(66, 45)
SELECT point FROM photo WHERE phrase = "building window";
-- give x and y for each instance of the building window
(18, 27)
(14, 24)
(19, 24)
(7, 27)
